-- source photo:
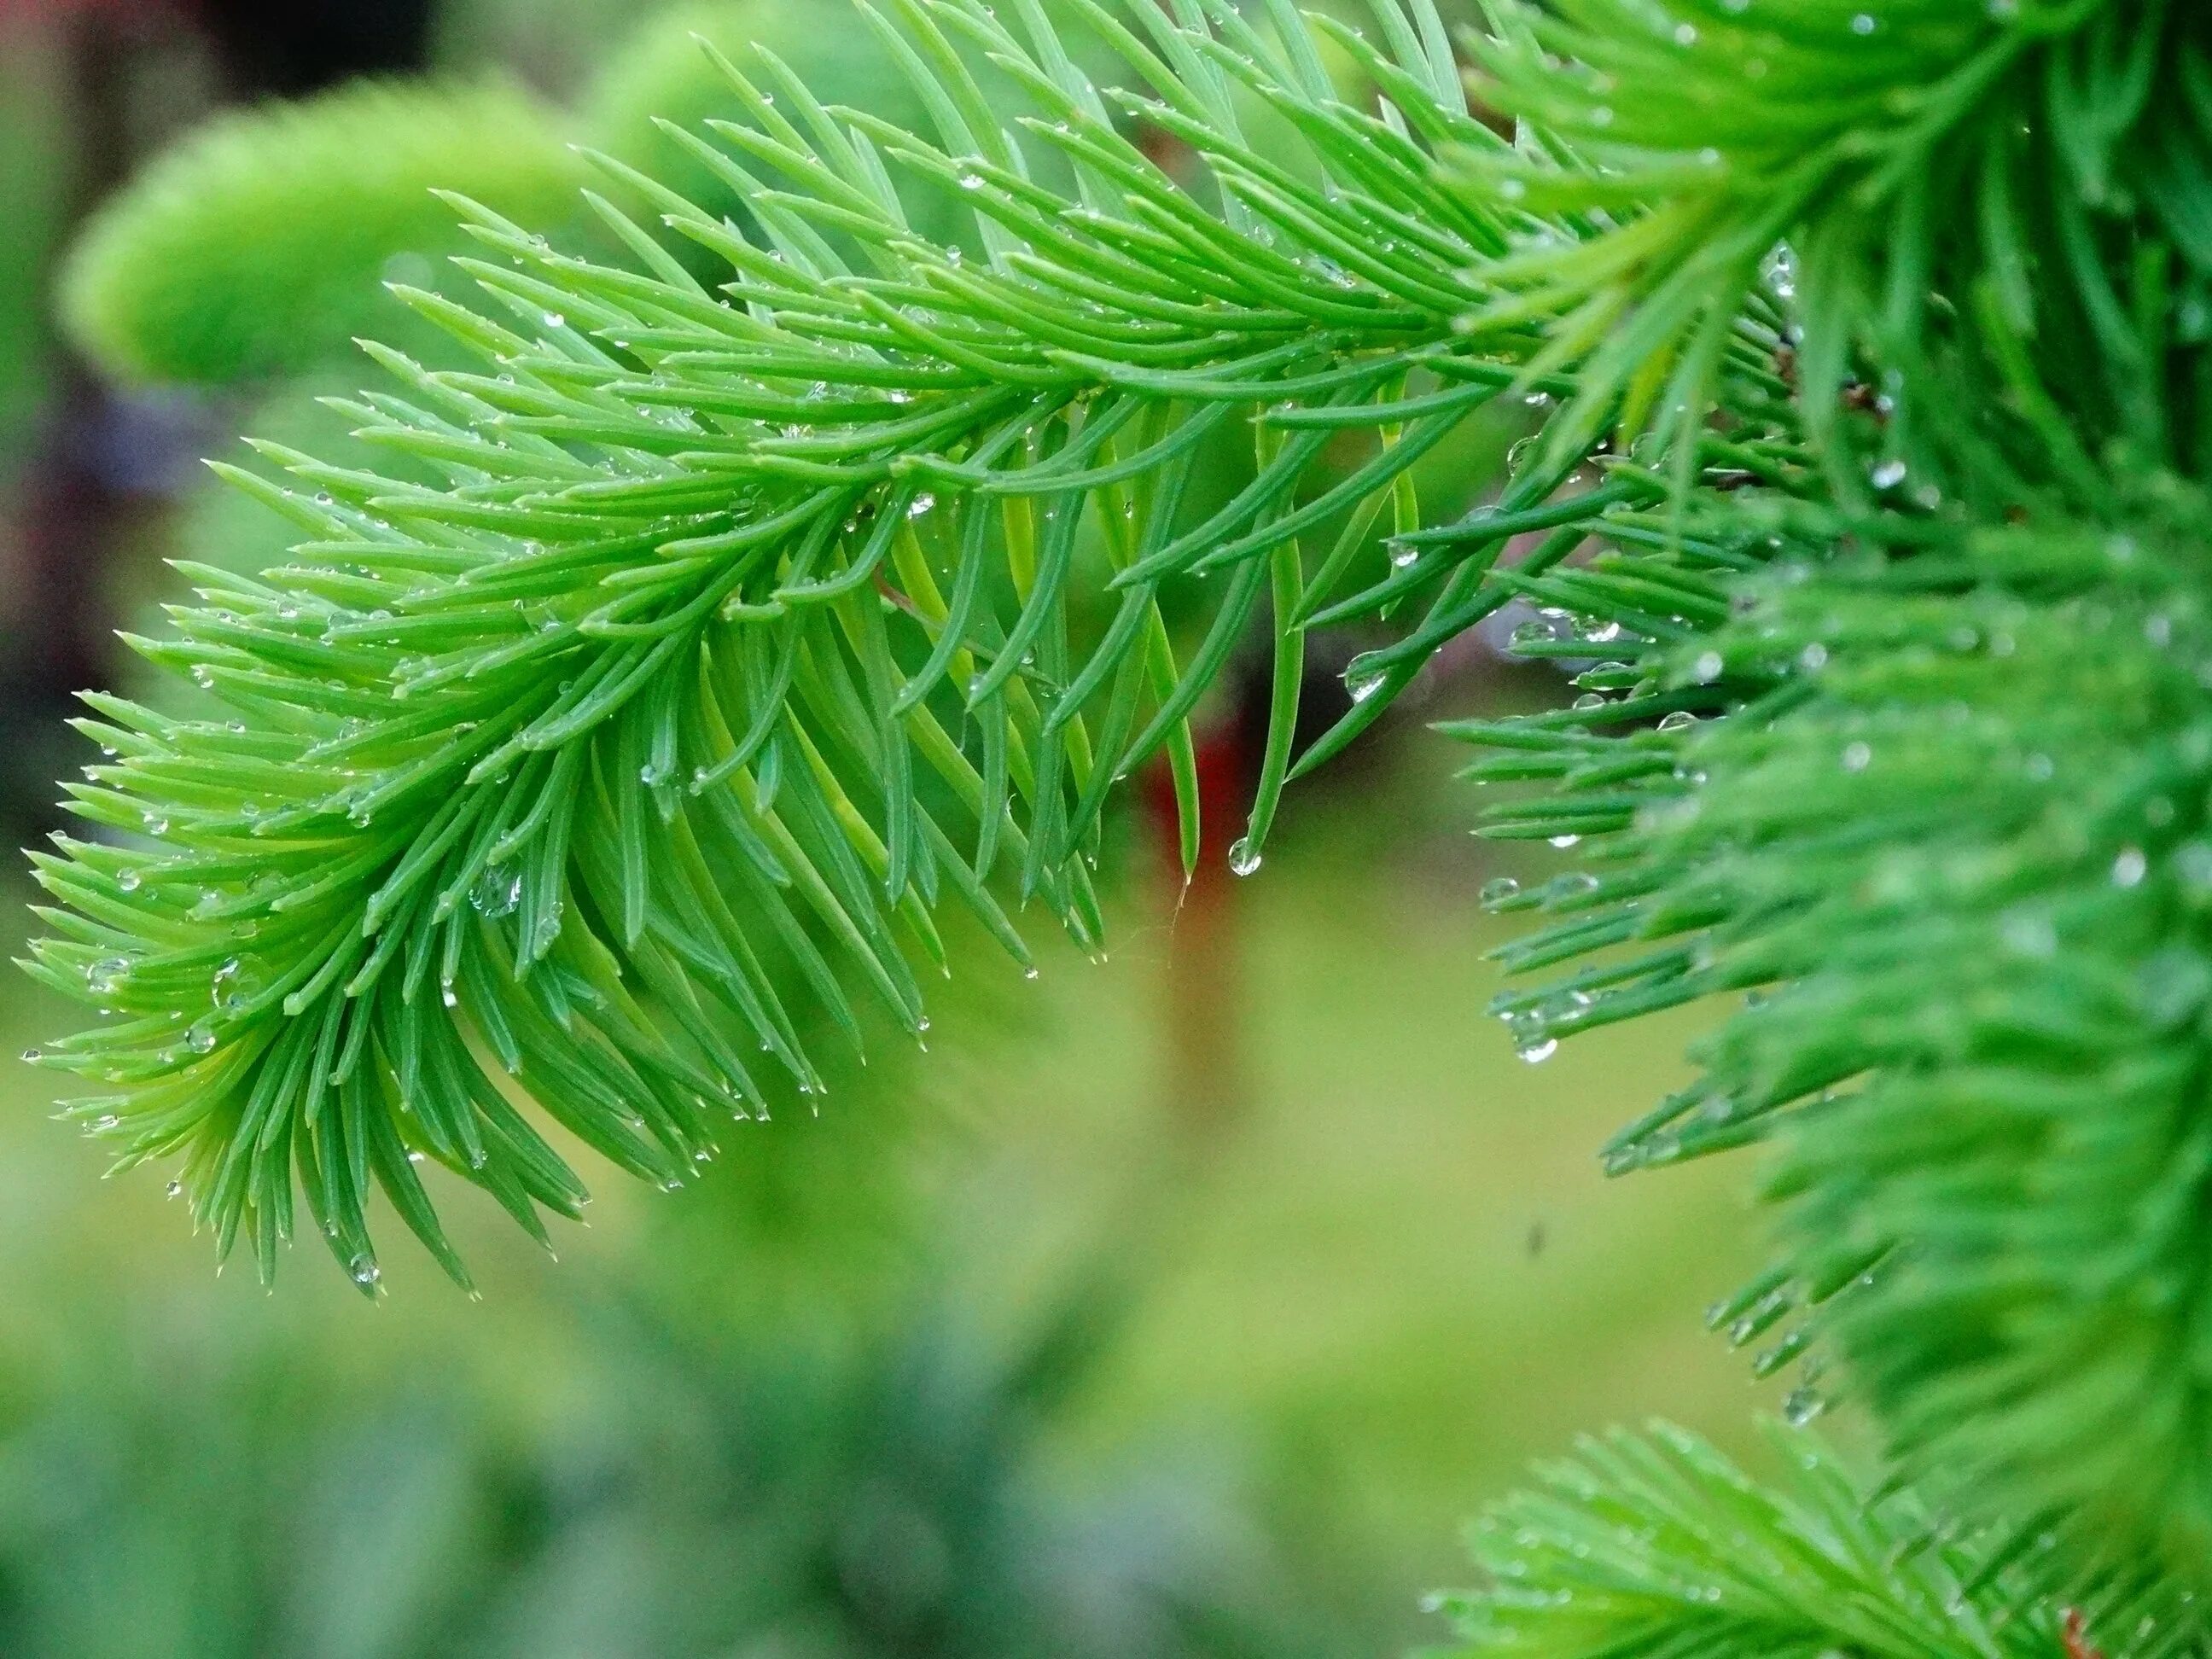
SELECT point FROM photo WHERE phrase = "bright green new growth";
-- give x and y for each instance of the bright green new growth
(695, 650)
(665, 76)
(258, 243)
(699, 645)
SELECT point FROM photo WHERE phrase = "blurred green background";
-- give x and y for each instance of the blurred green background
(1179, 1303)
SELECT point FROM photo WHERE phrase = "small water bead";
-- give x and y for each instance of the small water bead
(201, 1038)
(1361, 687)
(227, 994)
(1592, 700)
(1685, 34)
(364, 1271)
(1499, 890)
(108, 975)
(1681, 720)
(2130, 868)
(1564, 841)
(129, 880)
(555, 319)
(1864, 23)
(921, 505)
(174, 1189)
(1857, 757)
(1887, 475)
(1243, 858)
(1708, 668)
(1536, 1053)
(1030, 972)
(1403, 554)
(497, 893)
(1801, 1405)
(446, 995)
(32, 1056)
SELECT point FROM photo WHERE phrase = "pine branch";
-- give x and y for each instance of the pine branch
(697, 645)
(1906, 740)
(255, 243)
(1656, 1544)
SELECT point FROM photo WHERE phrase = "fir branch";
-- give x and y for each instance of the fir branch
(697, 645)
(1656, 1544)
(255, 244)
(1897, 728)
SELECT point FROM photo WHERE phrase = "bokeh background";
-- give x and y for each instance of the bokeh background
(1182, 1303)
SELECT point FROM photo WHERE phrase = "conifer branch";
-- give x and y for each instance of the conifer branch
(694, 646)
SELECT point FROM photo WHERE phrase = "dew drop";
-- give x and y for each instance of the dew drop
(1499, 890)
(1243, 858)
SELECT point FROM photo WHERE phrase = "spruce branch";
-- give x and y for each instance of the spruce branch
(1655, 1543)
(694, 646)
(1904, 740)
(254, 245)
